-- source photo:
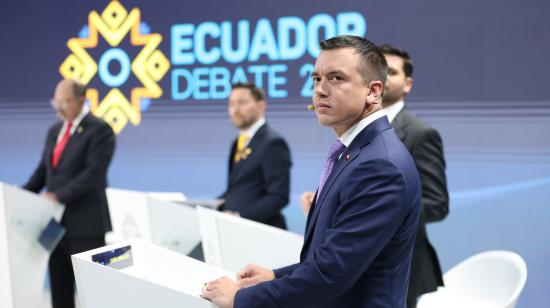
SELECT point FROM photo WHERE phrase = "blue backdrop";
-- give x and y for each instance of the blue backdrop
(481, 76)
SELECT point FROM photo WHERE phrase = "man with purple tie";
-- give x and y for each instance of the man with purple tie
(362, 224)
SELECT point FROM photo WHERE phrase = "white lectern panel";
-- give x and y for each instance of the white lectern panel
(150, 217)
(168, 196)
(157, 278)
(129, 214)
(174, 226)
(23, 262)
(232, 242)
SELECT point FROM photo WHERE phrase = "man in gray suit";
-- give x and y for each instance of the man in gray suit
(426, 147)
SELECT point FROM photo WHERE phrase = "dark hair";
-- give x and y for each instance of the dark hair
(374, 67)
(257, 93)
(388, 49)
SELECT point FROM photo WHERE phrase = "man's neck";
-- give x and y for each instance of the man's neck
(347, 137)
(392, 110)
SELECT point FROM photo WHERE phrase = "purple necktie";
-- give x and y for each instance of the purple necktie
(336, 150)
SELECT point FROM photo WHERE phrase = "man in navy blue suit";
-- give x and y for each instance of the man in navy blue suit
(259, 162)
(362, 224)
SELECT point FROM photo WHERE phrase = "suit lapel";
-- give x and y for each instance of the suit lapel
(339, 166)
(399, 124)
(252, 145)
(73, 140)
(364, 138)
(51, 145)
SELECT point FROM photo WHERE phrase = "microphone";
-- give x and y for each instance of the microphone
(311, 107)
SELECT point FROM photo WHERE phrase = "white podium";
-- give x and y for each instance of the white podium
(232, 242)
(149, 216)
(23, 261)
(139, 274)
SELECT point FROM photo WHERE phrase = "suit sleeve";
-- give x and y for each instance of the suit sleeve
(276, 171)
(428, 157)
(372, 206)
(38, 179)
(97, 160)
(287, 270)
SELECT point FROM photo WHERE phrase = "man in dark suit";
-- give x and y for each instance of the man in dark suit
(73, 169)
(258, 184)
(426, 147)
(361, 228)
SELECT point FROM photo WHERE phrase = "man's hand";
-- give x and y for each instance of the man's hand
(306, 199)
(221, 292)
(232, 213)
(50, 196)
(252, 274)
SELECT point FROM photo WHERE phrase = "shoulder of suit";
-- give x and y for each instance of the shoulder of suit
(416, 124)
(272, 135)
(92, 120)
(55, 128)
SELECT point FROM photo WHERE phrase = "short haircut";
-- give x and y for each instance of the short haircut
(374, 65)
(257, 93)
(408, 67)
(79, 89)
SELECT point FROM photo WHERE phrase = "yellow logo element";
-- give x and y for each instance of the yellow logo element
(149, 66)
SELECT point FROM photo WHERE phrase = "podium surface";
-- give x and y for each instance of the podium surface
(231, 242)
(23, 261)
(139, 274)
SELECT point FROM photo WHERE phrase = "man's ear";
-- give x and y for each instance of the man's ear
(375, 91)
(262, 104)
(408, 85)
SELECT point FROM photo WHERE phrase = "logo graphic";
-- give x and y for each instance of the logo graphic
(149, 65)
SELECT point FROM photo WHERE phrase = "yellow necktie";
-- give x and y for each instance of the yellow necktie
(241, 142)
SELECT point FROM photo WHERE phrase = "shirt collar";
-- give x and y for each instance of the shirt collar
(78, 119)
(251, 131)
(392, 110)
(353, 131)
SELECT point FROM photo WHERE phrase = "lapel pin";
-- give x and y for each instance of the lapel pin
(347, 156)
(246, 152)
(79, 129)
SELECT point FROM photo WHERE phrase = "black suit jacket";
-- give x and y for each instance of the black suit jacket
(258, 186)
(80, 179)
(425, 145)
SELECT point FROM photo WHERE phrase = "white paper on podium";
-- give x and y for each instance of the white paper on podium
(231, 242)
(158, 278)
(150, 217)
(23, 262)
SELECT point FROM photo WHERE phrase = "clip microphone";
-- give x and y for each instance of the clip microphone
(311, 107)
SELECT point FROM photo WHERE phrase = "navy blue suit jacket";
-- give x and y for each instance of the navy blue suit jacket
(80, 178)
(359, 235)
(259, 185)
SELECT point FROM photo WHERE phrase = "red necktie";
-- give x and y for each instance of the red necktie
(61, 145)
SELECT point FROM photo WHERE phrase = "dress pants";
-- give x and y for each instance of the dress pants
(62, 281)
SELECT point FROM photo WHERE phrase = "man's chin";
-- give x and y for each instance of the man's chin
(323, 121)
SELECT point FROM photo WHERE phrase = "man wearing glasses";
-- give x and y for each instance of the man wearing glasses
(73, 171)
